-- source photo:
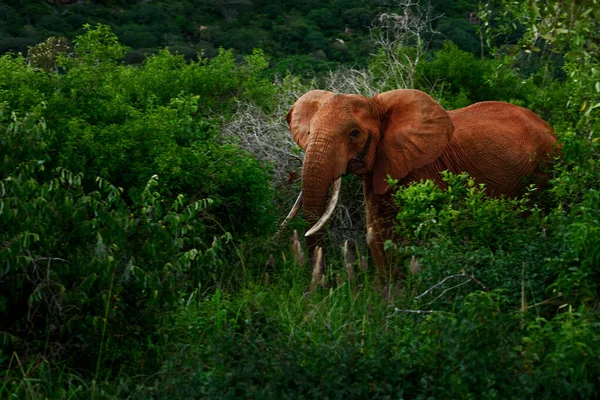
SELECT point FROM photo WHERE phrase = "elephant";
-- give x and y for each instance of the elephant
(406, 135)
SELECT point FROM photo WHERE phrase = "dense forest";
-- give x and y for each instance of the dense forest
(300, 37)
(146, 163)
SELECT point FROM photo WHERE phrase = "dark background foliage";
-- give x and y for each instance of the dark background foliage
(325, 33)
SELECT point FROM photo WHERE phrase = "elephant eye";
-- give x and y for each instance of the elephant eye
(354, 133)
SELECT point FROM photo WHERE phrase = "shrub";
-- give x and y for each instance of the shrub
(457, 78)
(79, 267)
(460, 230)
(95, 250)
(548, 251)
(127, 124)
(136, 36)
(462, 211)
(457, 75)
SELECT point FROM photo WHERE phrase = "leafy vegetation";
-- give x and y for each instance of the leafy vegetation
(138, 206)
(117, 194)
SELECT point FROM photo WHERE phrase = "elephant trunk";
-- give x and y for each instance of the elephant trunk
(315, 186)
(318, 172)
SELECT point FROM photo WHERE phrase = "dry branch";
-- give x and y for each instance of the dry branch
(446, 279)
(401, 37)
(396, 310)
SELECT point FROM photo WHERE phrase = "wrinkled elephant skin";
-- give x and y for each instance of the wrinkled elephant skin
(407, 135)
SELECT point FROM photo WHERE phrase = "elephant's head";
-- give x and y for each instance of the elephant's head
(391, 133)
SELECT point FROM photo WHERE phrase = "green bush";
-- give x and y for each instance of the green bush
(538, 246)
(80, 267)
(127, 124)
(459, 79)
(92, 265)
(459, 31)
(461, 211)
(460, 229)
(54, 25)
(577, 233)
(11, 20)
(136, 36)
(458, 75)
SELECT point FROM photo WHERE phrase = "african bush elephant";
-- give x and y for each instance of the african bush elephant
(407, 135)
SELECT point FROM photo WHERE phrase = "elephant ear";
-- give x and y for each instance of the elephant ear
(415, 130)
(304, 109)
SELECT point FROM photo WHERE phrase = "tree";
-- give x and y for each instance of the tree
(45, 54)
(402, 41)
(230, 9)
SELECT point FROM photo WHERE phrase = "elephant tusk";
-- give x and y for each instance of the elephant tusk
(293, 212)
(337, 187)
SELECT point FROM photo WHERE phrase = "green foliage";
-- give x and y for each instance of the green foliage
(462, 211)
(459, 31)
(126, 124)
(95, 252)
(11, 20)
(459, 79)
(577, 223)
(97, 46)
(69, 254)
(306, 66)
(549, 31)
(82, 266)
(282, 29)
(137, 36)
(53, 24)
(459, 229)
(459, 74)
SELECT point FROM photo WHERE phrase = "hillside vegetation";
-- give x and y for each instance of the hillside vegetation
(302, 37)
(139, 206)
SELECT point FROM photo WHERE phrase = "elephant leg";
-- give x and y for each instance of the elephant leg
(375, 243)
(380, 214)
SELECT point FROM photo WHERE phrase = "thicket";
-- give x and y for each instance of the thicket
(137, 208)
(117, 193)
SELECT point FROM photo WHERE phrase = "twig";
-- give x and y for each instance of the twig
(477, 281)
(27, 383)
(552, 301)
(396, 310)
(463, 275)
(523, 297)
(447, 290)
(49, 259)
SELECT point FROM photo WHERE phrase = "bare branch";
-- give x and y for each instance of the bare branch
(396, 310)
(265, 136)
(446, 279)
(49, 259)
(447, 290)
(356, 81)
(401, 37)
